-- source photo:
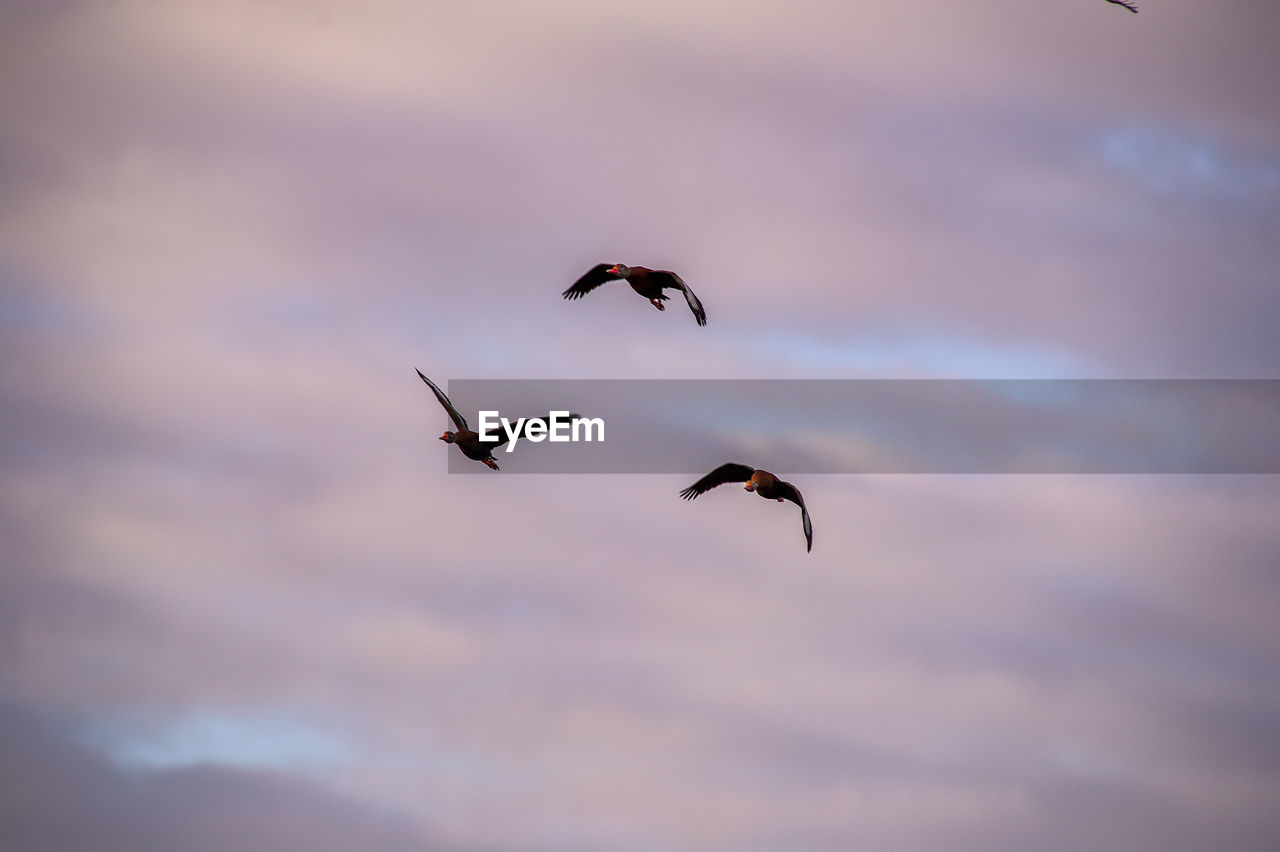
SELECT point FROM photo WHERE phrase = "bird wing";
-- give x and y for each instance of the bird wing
(458, 419)
(1132, 7)
(787, 491)
(597, 275)
(676, 282)
(730, 472)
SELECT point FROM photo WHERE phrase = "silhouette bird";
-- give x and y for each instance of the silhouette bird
(468, 441)
(647, 282)
(762, 482)
(1132, 7)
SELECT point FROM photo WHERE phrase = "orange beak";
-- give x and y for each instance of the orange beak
(444, 437)
(613, 270)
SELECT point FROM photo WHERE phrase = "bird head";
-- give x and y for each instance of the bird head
(620, 269)
(449, 437)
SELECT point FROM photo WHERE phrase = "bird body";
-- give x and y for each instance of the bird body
(647, 282)
(761, 482)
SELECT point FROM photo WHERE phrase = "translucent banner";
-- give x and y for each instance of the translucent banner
(878, 426)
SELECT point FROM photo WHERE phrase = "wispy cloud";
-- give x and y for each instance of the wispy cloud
(253, 741)
(1179, 164)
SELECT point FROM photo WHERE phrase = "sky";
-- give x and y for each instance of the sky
(244, 604)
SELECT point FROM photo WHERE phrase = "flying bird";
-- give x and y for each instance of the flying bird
(1132, 7)
(647, 282)
(762, 482)
(468, 441)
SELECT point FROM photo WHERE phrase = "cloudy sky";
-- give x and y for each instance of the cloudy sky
(245, 605)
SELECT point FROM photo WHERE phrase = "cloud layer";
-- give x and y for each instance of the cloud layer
(245, 605)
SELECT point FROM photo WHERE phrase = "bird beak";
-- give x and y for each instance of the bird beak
(444, 437)
(613, 270)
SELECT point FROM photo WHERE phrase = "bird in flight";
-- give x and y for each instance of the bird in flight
(647, 282)
(1132, 7)
(762, 482)
(467, 440)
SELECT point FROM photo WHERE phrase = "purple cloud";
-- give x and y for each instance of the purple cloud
(229, 235)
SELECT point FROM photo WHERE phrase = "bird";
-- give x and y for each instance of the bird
(647, 282)
(468, 441)
(762, 482)
(1132, 7)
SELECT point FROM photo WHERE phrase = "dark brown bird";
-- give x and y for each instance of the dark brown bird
(647, 282)
(1132, 7)
(762, 482)
(468, 441)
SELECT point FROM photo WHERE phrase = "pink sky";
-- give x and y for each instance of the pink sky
(244, 604)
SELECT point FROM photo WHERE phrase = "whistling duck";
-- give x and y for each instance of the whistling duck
(647, 282)
(1132, 7)
(762, 482)
(469, 442)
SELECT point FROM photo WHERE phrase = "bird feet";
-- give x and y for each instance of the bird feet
(657, 304)
(493, 464)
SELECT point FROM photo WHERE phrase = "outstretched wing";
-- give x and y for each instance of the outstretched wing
(458, 419)
(724, 473)
(598, 274)
(670, 280)
(1132, 7)
(787, 491)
